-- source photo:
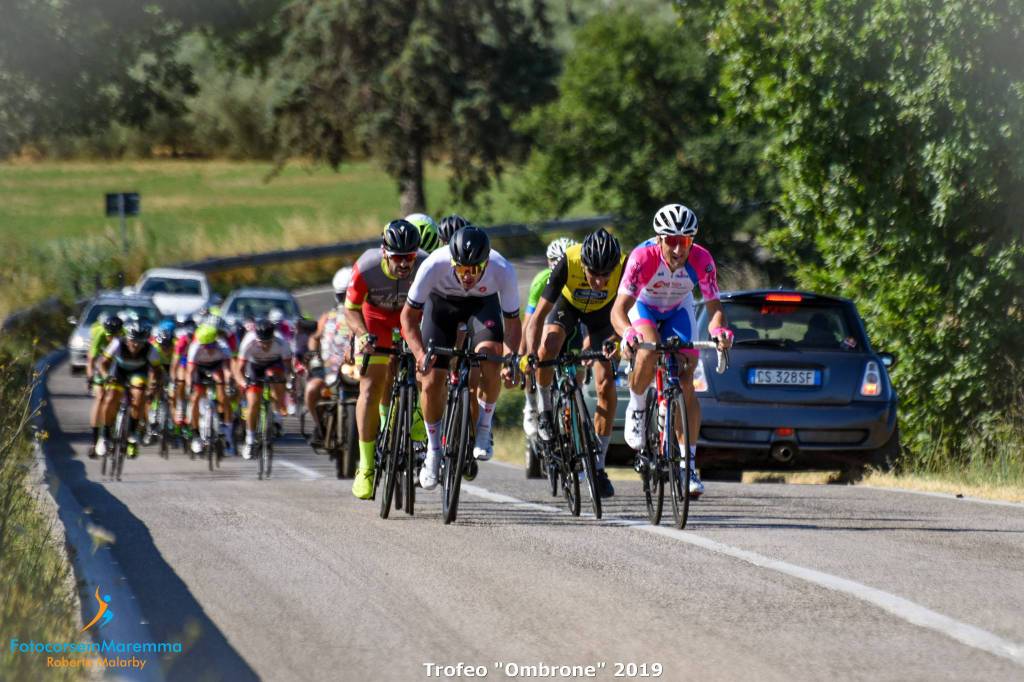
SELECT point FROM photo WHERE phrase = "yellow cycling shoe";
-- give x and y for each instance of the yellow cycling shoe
(362, 484)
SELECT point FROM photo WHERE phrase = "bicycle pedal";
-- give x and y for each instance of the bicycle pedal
(471, 470)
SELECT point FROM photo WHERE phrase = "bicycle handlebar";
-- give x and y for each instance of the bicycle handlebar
(674, 344)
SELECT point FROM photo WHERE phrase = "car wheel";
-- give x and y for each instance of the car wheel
(886, 457)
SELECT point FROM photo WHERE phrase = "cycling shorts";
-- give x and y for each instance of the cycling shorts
(442, 316)
(254, 372)
(675, 322)
(121, 377)
(598, 323)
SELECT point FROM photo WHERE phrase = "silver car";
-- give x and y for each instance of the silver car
(110, 303)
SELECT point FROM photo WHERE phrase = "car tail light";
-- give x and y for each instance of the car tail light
(700, 380)
(784, 298)
(872, 383)
(784, 432)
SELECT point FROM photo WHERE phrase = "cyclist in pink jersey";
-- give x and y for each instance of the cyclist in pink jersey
(655, 302)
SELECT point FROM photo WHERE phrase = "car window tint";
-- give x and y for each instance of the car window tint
(183, 287)
(142, 312)
(247, 307)
(806, 325)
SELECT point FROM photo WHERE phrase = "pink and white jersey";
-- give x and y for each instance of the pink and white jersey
(648, 279)
(207, 354)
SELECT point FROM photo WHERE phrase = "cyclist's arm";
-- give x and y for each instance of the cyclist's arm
(536, 325)
(411, 318)
(313, 343)
(354, 319)
(716, 319)
(513, 333)
(620, 312)
(523, 350)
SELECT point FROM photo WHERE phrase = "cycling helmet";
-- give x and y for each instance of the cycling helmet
(276, 316)
(429, 241)
(264, 330)
(163, 336)
(450, 224)
(470, 246)
(189, 326)
(401, 236)
(137, 330)
(112, 324)
(340, 283)
(167, 324)
(556, 249)
(206, 333)
(675, 219)
(601, 252)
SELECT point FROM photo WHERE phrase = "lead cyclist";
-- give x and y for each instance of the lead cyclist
(655, 301)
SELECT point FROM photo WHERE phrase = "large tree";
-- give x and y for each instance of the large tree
(636, 125)
(406, 81)
(898, 134)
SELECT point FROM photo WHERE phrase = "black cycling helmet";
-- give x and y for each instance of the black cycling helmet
(450, 224)
(112, 324)
(601, 252)
(137, 330)
(163, 336)
(264, 330)
(400, 236)
(470, 246)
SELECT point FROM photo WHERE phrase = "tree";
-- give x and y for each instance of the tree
(636, 125)
(406, 82)
(897, 129)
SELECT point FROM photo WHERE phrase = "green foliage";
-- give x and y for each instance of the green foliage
(409, 81)
(897, 129)
(637, 126)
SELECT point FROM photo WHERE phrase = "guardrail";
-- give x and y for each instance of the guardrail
(344, 248)
(506, 230)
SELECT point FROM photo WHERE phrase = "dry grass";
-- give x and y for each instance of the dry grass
(941, 484)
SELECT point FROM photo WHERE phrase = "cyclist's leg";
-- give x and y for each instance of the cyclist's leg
(645, 320)
(682, 324)
(599, 329)
(441, 319)
(486, 324)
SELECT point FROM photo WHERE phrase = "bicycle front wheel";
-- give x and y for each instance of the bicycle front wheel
(650, 474)
(588, 451)
(677, 458)
(388, 442)
(405, 412)
(456, 449)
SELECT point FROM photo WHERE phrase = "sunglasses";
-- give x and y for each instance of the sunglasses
(675, 241)
(599, 275)
(401, 257)
(468, 270)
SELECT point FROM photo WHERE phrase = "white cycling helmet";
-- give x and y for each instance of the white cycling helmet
(675, 219)
(276, 315)
(340, 282)
(556, 249)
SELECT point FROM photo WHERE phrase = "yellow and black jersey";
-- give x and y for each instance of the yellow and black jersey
(569, 280)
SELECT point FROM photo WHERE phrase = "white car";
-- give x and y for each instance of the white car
(175, 291)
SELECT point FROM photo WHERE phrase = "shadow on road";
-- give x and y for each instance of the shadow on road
(171, 611)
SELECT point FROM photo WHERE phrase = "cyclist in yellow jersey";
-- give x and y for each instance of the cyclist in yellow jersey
(105, 330)
(580, 290)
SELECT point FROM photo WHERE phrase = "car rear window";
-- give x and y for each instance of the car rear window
(246, 308)
(164, 285)
(142, 312)
(816, 325)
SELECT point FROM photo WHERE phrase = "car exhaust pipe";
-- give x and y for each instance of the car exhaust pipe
(784, 453)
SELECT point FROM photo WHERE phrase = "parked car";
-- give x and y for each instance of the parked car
(804, 388)
(175, 291)
(252, 302)
(110, 303)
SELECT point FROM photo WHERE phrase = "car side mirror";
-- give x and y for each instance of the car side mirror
(888, 359)
(72, 320)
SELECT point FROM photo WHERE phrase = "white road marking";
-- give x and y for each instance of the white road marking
(308, 473)
(898, 606)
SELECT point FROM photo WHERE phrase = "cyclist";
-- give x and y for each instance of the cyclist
(376, 293)
(262, 354)
(163, 341)
(469, 283)
(555, 252)
(449, 225)
(327, 345)
(655, 301)
(107, 328)
(208, 356)
(581, 289)
(429, 239)
(179, 362)
(134, 363)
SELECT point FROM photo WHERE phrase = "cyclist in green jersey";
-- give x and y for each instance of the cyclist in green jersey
(106, 329)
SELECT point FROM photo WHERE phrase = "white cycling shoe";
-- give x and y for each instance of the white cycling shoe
(247, 451)
(696, 486)
(483, 448)
(634, 428)
(428, 473)
(101, 446)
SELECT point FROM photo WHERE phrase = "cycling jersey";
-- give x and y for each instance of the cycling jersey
(649, 280)
(208, 354)
(333, 339)
(253, 351)
(100, 339)
(569, 280)
(181, 345)
(437, 276)
(540, 281)
(164, 355)
(125, 360)
(373, 289)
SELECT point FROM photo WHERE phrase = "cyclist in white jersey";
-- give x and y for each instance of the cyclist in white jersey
(465, 282)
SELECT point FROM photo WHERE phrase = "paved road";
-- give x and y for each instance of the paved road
(295, 579)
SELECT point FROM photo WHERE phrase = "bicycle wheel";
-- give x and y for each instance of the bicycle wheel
(588, 451)
(456, 447)
(268, 440)
(163, 417)
(678, 461)
(650, 475)
(387, 444)
(211, 450)
(405, 412)
(121, 443)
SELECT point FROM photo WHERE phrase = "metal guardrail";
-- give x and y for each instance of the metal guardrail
(358, 246)
(321, 251)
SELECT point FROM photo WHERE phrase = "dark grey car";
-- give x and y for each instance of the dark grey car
(804, 388)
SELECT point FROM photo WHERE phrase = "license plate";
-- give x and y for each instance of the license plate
(772, 376)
